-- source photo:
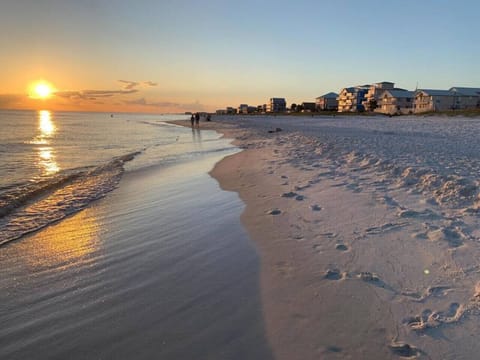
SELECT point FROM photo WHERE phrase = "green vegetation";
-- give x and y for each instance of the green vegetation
(466, 112)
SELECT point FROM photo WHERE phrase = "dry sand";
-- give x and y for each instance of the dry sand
(356, 263)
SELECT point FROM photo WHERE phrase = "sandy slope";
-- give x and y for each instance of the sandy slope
(362, 258)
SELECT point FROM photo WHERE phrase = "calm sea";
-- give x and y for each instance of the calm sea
(117, 244)
(53, 164)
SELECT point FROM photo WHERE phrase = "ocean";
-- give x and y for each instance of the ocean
(55, 164)
(117, 244)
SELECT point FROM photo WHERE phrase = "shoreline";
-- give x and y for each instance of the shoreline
(139, 274)
(346, 270)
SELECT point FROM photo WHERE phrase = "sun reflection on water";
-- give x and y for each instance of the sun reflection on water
(63, 245)
(46, 154)
(46, 125)
(47, 161)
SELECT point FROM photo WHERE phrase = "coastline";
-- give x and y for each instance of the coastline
(137, 274)
(345, 272)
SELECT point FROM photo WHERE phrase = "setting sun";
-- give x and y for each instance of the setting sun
(41, 90)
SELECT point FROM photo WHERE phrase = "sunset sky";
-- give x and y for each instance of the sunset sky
(189, 55)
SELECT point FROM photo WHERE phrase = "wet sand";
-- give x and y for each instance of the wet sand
(362, 257)
(160, 268)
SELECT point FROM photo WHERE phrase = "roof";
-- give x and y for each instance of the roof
(401, 93)
(356, 89)
(330, 95)
(433, 92)
(466, 91)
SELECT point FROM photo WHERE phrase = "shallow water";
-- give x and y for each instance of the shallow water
(160, 267)
(53, 164)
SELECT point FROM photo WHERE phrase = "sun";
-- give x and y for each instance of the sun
(41, 90)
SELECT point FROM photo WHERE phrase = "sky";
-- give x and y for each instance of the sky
(164, 56)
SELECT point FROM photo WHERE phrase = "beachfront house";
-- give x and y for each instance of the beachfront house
(327, 102)
(433, 100)
(308, 106)
(262, 108)
(243, 109)
(466, 98)
(396, 102)
(351, 99)
(228, 111)
(277, 105)
(373, 95)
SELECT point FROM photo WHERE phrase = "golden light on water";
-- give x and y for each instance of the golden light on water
(46, 125)
(64, 244)
(46, 154)
(47, 161)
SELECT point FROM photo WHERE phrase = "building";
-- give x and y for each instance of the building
(434, 100)
(372, 97)
(243, 109)
(396, 102)
(327, 102)
(262, 108)
(351, 99)
(277, 105)
(466, 98)
(227, 111)
(308, 106)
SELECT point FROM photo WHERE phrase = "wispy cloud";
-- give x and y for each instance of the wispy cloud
(150, 83)
(10, 100)
(129, 85)
(92, 94)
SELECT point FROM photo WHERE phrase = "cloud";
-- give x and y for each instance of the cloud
(10, 100)
(150, 83)
(92, 94)
(129, 85)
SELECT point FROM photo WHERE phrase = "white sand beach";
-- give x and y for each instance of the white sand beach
(365, 254)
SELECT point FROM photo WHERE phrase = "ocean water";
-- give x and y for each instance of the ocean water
(53, 164)
(117, 244)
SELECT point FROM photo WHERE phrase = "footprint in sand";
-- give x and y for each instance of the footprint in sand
(301, 187)
(424, 214)
(341, 247)
(389, 201)
(274, 212)
(315, 207)
(404, 350)
(432, 291)
(429, 319)
(333, 274)
(451, 234)
(384, 228)
(290, 194)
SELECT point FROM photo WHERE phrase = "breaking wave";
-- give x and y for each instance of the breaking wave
(33, 206)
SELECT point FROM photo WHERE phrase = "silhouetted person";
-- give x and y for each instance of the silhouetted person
(197, 119)
(209, 117)
(192, 119)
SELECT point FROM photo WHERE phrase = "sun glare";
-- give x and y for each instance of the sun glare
(41, 90)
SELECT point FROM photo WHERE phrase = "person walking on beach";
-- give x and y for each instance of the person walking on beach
(197, 119)
(192, 119)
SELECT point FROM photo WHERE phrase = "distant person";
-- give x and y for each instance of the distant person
(209, 117)
(192, 119)
(197, 119)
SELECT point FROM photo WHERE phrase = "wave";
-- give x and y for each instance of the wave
(34, 206)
